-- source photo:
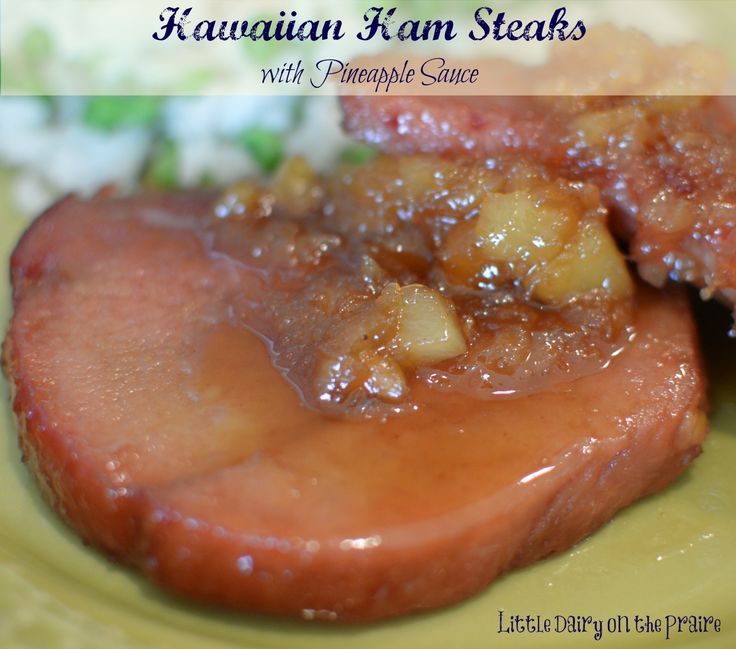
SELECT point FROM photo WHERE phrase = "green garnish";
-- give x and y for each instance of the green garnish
(109, 113)
(358, 153)
(264, 145)
(162, 171)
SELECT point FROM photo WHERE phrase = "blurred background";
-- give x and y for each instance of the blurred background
(138, 130)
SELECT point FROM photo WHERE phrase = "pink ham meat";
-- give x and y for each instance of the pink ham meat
(158, 428)
(666, 166)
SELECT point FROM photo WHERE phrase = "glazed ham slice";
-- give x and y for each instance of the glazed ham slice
(159, 429)
(665, 165)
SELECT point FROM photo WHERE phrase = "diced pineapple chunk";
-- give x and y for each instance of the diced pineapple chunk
(296, 187)
(403, 328)
(590, 261)
(386, 380)
(461, 257)
(523, 229)
(428, 330)
(244, 199)
(621, 126)
(417, 174)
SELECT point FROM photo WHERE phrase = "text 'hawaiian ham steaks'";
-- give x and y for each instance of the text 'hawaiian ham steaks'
(158, 427)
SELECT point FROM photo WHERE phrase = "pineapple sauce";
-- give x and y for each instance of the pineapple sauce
(494, 279)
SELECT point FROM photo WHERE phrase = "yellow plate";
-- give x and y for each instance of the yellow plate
(673, 554)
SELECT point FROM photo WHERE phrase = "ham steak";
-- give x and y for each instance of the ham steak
(158, 428)
(665, 165)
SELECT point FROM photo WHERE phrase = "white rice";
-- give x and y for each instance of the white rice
(53, 152)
